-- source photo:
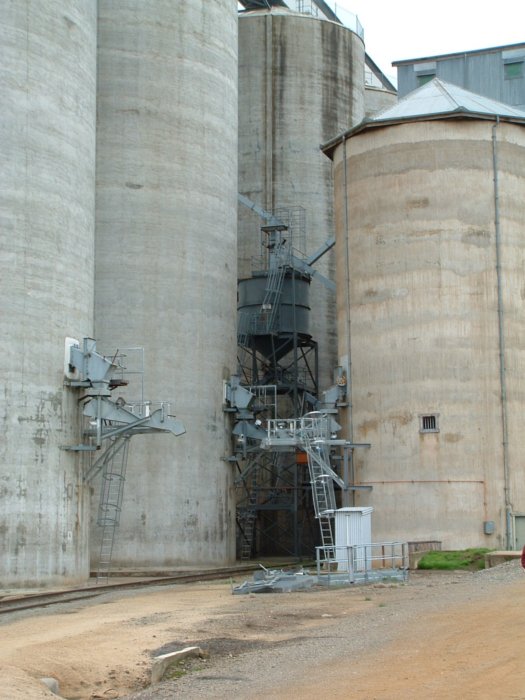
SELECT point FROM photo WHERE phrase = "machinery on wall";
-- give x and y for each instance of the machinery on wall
(285, 473)
(108, 428)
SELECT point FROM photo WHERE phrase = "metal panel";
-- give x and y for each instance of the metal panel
(481, 72)
(353, 526)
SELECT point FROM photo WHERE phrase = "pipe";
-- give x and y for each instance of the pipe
(501, 339)
(350, 435)
(424, 481)
(269, 117)
(295, 351)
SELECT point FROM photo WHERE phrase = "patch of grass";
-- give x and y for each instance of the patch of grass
(174, 672)
(466, 559)
(179, 669)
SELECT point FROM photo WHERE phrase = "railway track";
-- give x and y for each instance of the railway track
(11, 604)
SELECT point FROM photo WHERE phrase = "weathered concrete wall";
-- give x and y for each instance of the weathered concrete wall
(47, 133)
(417, 306)
(166, 260)
(511, 176)
(301, 82)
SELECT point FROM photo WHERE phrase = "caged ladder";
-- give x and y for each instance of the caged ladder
(110, 505)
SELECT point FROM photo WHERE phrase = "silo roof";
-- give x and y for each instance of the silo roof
(438, 97)
(435, 100)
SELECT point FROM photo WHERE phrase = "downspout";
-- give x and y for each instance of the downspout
(348, 457)
(350, 435)
(269, 203)
(501, 334)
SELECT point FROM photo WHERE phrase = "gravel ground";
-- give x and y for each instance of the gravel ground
(248, 673)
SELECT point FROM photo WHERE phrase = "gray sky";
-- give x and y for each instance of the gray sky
(413, 28)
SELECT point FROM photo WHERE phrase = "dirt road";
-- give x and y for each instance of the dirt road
(440, 636)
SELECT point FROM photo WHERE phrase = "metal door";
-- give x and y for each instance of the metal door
(519, 530)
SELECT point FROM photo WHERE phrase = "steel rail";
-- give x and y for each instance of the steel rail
(12, 604)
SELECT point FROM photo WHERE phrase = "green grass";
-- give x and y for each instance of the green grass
(467, 559)
(179, 669)
(172, 673)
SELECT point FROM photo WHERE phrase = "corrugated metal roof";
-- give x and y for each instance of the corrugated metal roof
(438, 97)
(457, 54)
(434, 100)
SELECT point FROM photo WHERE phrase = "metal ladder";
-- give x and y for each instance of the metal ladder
(110, 505)
(247, 515)
(248, 527)
(243, 326)
(323, 492)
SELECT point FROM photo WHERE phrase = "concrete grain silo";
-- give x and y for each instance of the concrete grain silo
(166, 261)
(378, 99)
(379, 91)
(47, 136)
(430, 258)
(301, 79)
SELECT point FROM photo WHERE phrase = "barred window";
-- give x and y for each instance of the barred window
(428, 423)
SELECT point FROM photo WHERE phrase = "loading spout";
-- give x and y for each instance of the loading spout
(157, 421)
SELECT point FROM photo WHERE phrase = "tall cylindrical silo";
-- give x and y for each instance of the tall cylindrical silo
(301, 81)
(380, 93)
(47, 182)
(377, 99)
(430, 314)
(166, 261)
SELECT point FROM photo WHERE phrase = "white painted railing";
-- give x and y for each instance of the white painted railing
(364, 562)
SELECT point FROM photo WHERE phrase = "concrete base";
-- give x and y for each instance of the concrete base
(415, 557)
(52, 684)
(495, 558)
(162, 663)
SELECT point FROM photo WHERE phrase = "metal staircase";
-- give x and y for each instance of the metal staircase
(110, 506)
(265, 319)
(272, 297)
(313, 436)
(243, 328)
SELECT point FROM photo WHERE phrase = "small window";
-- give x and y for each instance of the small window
(428, 423)
(424, 79)
(513, 70)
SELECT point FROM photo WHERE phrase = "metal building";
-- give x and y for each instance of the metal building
(47, 187)
(497, 72)
(166, 267)
(301, 79)
(430, 258)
